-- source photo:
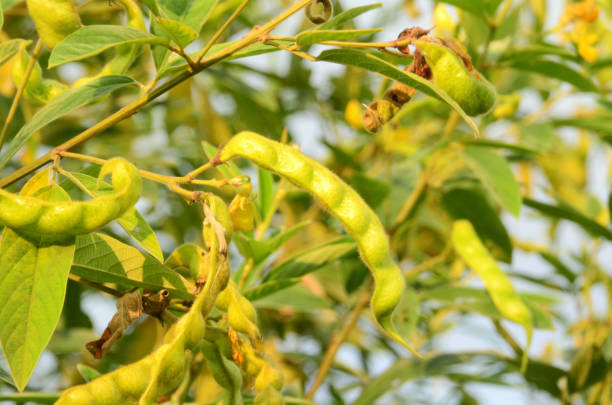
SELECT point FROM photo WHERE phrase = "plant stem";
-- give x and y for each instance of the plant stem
(20, 90)
(136, 105)
(221, 30)
(95, 285)
(337, 340)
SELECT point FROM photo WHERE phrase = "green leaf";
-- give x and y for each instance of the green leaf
(102, 259)
(260, 250)
(88, 373)
(180, 33)
(347, 15)
(588, 367)
(32, 290)
(9, 48)
(226, 372)
(406, 314)
(61, 105)
(269, 288)
(555, 70)
(316, 36)
(94, 39)
(193, 13)
(132, 221)
(567, 212)
(475, 7)
(296, 297)
(6, 4)
(495, 174)
(228, 169)
(368, 61)
(313, 259)
(471, 204)
(266, 191)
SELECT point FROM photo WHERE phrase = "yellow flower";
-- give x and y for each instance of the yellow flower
(585, 10)
(585, 38)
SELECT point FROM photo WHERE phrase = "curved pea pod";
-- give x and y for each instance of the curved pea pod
(341, 201)
(467, 87)
(269, 377)
(242, 209)
(269, 396)
(241, 314)
(467, 243)
(37, 89)
(54, 19)
(189, 261)
(47, 221)
(223, 218)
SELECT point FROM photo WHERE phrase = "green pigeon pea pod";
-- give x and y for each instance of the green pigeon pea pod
(47, 221)
(269, 396)
(469, 246)
(222, 223)
(341, 201)
(189, 261)
(54, 19)
(161, 372)
(325, 13)
(241, 314)
(37, 89)
(242, 209)
(467, 87)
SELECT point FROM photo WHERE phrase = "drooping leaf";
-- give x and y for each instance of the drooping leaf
(61, 105)
(102, 259)
(368, 61)
(495, 174)
(555, 70)
(94, 39)
(569, 213)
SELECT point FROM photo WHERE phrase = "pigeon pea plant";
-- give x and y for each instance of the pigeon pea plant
(143, 156)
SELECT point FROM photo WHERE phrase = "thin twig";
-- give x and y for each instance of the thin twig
(336, 342)
(221, 30)
(136, 105)
(20, 90)
(95, 285)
